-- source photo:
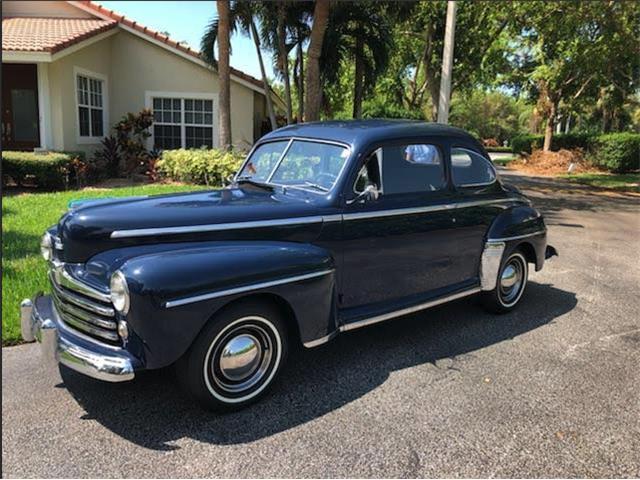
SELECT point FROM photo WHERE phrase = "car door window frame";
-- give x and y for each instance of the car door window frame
(475, 184)
(440, 144)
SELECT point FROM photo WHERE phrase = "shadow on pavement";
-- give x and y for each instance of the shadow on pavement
(153, 412)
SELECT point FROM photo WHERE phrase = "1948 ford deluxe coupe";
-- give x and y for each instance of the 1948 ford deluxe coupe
(327, 227)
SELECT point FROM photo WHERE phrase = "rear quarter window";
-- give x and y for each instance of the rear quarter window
(469, 168)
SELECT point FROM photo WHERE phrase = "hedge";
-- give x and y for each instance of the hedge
(50, 170)
(498, 149)
(617, 152)
(559, 141)
(204, 166)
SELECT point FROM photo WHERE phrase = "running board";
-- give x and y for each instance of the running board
(387, 316)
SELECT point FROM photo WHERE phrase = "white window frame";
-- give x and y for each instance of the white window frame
(81, 140)
(148, 102)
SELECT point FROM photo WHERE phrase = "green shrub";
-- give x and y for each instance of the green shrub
(559, 141)
(53, 170)
(204, 166)
(617, 152)
(526, 143)
(498, 149)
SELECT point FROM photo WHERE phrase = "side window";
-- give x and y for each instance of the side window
(470, 168)
(412, 168)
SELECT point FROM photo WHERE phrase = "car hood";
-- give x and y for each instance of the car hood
(92, 226)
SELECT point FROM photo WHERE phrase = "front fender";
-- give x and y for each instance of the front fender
(174, 293)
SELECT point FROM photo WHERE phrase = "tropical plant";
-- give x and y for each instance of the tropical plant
(131, 133)
(242, 16)
(360, 34)
(313, 94)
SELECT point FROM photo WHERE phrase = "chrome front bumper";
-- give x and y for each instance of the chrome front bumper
(59, 344)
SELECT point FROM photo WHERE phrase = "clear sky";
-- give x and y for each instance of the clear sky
(186, 21)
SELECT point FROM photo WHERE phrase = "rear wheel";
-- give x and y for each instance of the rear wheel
(510, 285)
(237, 356)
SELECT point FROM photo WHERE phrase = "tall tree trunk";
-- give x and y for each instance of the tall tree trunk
(359, 79)
(548, 130)
(300, 85)
(284, 58)
(224, 75)
(265, 82)
(313, 100)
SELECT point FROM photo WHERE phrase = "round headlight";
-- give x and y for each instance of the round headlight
(46, 246)
(119, 292)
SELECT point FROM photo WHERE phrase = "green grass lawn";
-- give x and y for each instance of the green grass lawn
(24, 219)
(626, 182)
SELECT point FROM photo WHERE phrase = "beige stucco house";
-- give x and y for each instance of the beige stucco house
(70, 70)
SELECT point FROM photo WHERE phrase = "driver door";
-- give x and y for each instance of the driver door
(396, 247)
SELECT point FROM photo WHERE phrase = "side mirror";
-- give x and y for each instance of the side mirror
(369, 194)
(229, 180)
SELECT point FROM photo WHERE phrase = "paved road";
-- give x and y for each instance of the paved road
(552, 390)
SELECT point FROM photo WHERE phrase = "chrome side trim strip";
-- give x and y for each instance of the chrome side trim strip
(245, 288)
(517, 237)
(430, 208)
(320, 341)
(145, 232)
(408, 310)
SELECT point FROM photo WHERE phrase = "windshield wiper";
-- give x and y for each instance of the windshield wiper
(250, 181)
(312, 185)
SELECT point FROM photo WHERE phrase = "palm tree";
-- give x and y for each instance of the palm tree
(360, 33)
(313, 98)
(241, 14)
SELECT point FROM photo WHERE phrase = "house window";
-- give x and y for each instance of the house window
(90, 106)
(182, 123)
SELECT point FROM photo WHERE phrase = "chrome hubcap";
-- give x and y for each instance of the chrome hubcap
(240, 357)
(509, 277)
(512, 280)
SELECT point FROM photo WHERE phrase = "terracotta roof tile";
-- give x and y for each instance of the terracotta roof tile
(31, 34)
(161, 37)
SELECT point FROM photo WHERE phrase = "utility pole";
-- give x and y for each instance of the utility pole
(447, 63)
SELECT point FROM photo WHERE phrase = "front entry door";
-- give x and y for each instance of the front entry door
(20, 124)
(398, 247)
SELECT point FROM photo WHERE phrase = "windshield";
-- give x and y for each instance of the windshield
(299, 163)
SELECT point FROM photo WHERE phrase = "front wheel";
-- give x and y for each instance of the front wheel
(512, 281)
(237, 356)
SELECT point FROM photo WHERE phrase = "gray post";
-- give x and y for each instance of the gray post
(447, 63)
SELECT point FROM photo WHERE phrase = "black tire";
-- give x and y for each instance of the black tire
(207, 370)
(503, 299)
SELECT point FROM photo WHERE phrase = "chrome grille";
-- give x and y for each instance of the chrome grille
(87, 314)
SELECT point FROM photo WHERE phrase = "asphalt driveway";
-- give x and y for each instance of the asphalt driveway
(551, 390)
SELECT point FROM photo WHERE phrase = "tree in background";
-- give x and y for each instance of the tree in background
(359, 34)
(585, 54)
(224, 74)
(241, 15)
(313, 99)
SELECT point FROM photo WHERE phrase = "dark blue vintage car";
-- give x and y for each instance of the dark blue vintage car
(327, 227)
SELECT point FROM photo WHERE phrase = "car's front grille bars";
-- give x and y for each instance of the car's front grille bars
(87, 315)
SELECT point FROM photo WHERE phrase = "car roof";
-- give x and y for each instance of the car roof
(360, 132)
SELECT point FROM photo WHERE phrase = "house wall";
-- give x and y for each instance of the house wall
(94, 58)
(134, 66)
(11, 8)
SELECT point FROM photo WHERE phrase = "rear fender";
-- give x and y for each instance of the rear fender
(521, 224)
(174, 293)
